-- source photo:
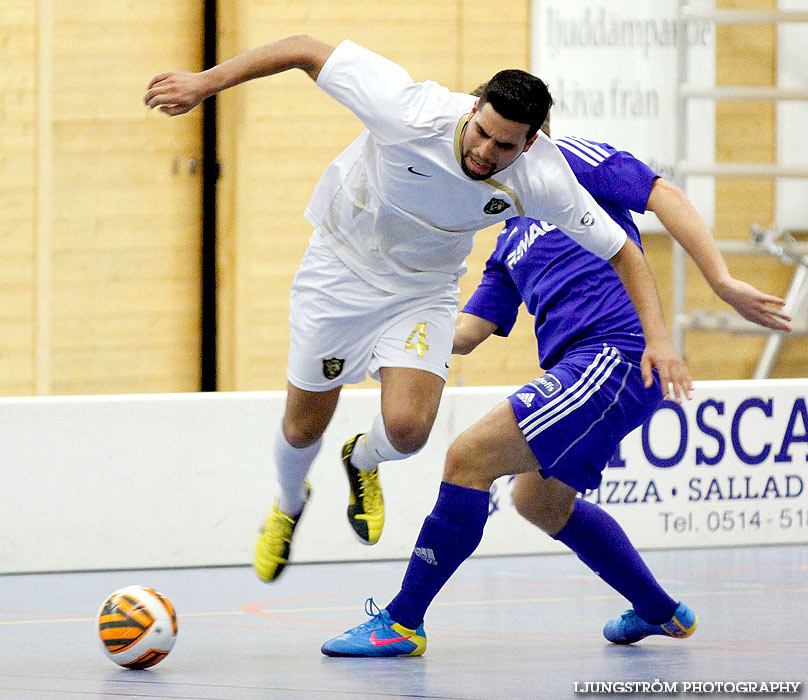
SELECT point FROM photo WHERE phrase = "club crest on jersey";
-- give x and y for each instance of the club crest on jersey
(587, 219)
(495, 206)
(332, 367)
(547, 385)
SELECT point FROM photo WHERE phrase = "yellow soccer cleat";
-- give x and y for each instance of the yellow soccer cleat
(366, 503)
(274, 542)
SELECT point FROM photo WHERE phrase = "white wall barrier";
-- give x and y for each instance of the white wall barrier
(184, 480)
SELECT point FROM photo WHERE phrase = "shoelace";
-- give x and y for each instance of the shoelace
(373, 611)
(275, 534)
(369, 487)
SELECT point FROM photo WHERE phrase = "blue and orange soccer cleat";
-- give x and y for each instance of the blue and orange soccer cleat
(379, 636)
(630, 627)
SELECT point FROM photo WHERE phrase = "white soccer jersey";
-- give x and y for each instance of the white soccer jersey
(396, 207)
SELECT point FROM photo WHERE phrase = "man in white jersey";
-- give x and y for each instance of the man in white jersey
(394, 217)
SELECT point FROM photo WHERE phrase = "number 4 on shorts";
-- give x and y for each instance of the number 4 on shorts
(420, 346)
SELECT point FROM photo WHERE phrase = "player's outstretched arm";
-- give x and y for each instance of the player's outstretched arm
(632, 268)
(178, 92)
(470, 331)
(680, 218)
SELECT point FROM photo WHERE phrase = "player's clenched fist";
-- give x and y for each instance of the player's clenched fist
(176, 92)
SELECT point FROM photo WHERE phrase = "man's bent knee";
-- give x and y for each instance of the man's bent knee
(410, 399)
(407, 434)
(300, 435)
(537, 512)
(546, 505)
(307, 414)
(464, 468)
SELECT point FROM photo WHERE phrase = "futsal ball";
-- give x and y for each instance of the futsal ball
(137, 627)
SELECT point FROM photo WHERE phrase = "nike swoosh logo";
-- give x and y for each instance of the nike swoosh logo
(384, 642)
(415, 172)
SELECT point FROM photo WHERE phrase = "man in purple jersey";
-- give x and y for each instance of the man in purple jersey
(619, 182)
(557, 432)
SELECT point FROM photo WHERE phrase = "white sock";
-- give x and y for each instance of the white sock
(293, 466)
(374, 447)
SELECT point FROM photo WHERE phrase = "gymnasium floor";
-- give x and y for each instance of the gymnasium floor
(505, 628)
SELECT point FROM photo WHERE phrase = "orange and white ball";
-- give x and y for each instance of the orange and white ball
(137, 627)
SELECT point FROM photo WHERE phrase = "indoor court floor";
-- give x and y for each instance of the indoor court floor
(504, 627)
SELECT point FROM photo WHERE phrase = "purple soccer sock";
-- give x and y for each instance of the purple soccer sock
(450, 533)
(603, 546)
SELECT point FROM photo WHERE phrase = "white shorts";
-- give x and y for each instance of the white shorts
(342, 327)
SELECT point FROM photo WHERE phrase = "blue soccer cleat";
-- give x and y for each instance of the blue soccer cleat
(379, 636)
(630, 627)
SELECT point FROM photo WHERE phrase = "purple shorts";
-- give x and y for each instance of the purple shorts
(574, 416)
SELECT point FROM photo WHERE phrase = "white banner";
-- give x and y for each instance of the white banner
(611, 68)
(728, 468)
(792, 72)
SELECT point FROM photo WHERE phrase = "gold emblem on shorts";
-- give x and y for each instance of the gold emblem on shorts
(332, 367)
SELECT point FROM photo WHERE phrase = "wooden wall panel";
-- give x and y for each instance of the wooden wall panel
(99, 242)
(18, 191)
(125, 255)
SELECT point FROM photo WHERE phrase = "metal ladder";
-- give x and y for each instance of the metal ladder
(762, 240)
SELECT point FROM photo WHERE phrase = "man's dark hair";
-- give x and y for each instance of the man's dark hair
(518, 96)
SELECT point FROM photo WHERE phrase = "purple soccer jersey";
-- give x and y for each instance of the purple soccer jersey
(574, 296)
(589, 335)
